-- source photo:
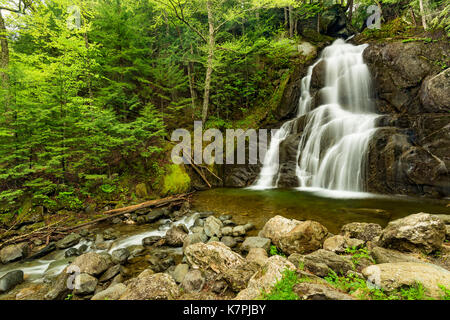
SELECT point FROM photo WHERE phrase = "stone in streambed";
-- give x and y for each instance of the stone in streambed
(10, 280)
(69, 241)
(112, 293)
(180, 272)
(110, 273)
(120, 256)
(213, 226)
(84, 284)
(257, 255)
(256, 242)
(193, 281)
(382, 255)
(321, 261)
(305, 237)
(361, 230)
(159, 286)
(149, 241)
(229, 241)
(91, 263)
(277, 227)
(339, 244)
(175, 236)
(14, 252)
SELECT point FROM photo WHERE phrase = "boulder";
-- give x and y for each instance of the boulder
(14, 252)
(112, 293)
(265, 278)
(193, 238)
(71, 252)
(416, 232)
(306, 237)
(382, 255)
(392, 276)
(110, 273)
(120, 256)
(239, 231)
(159, 286)
(149, 241)
(256, 242)
(84, 284)
(237, 277)
(228, 241)
(215, 256)
(257, 255)
(193, 281)
(68, 241)
(213, 227)
(10, 280)
(278, 227)
(60, 288)
(180, 272)
(339, 244)
(314, 291)
(435, 92)
(321, 261)
(175, 236)
(91, 263)
(361, 230)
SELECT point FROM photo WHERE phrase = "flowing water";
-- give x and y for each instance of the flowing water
(333, 146)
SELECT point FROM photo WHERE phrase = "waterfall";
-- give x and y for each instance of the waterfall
(333, 146)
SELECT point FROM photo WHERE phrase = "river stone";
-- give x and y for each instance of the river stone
(435, 92)
(193, 281)
(69, 241)
(159, 286)
(229, 223)
(227, 231)
(417, 232)
(91, 263)
(339, 244)
(238, 276)
(10, 280)
(84, 284)
(315, 291)
(239, 231)
(55, 267)
(215, 256)
(392, 276)
(197, 230)
(278, 227)
(112, 293)
(149, 241)
(157, 214)
(228, 241)
(320, 261)
(135, 251)
(445, 218)
(110, 273)
(256, 242)
(258, 255)
(361, 230)
(265, 278)
(175, 236)
(120, 256)
(71, 252)
(59, 289)
(110, 234)
(382, 255)
(213, 227)
(306, 237)
(225, 217)
(180, 272)
(194, 238)
(14, 252)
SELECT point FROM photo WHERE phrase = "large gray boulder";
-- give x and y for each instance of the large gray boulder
(382, 255)
(159, 286)
(361, 230)
(304, 238)
(14, 252)
(112, 293)
(91, 263)
(321, 261)
(213, 227)
(256, 242)
(193, 281)
(214, 255)
(435, 92)
(84, 284)
(175, 236)
(277, 227)
(10, 280)
(393, 276)
(68, 241)
(417, 232)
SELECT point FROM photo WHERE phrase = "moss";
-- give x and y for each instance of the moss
(175, 181)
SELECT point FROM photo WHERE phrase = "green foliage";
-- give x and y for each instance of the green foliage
(282, 290)
(358, 254)
(445, 292)
(274, 251)
(176, 180)
(69, 200)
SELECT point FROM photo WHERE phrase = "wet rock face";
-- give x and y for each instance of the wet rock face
(14, 252)
(409, 154)
(10, 280)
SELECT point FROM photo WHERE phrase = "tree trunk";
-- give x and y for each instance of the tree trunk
(422, 13)
(286, 22)
(413, 16)
(350, 10)
(209, 66)
(192, 83)
(291, 21)
(4, 61)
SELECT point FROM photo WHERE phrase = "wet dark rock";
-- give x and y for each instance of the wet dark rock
(239, 275)
(71, 252)
(43, 252)
(59, 289)
(110, 234)
(175, 236)
(14, 252)
(84, 284)
(120, 256)
(228, 241)
(10, 280)
(69, 241)
(110, 273)
(149, 241)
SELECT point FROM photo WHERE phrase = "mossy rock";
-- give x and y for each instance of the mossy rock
(175, 181)
(141, 191)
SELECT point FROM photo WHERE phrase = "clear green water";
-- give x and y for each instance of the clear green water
(258, 206)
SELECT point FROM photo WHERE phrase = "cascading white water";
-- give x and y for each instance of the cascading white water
(333, 147)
